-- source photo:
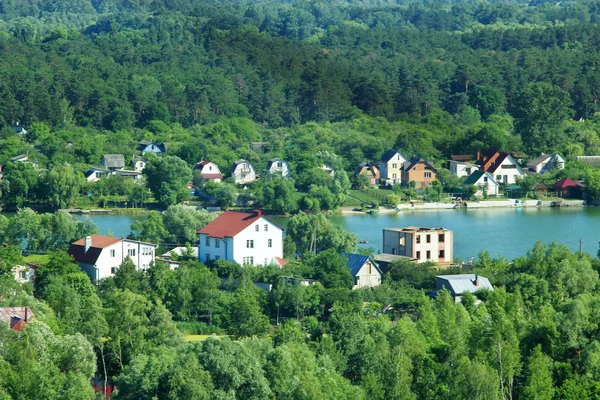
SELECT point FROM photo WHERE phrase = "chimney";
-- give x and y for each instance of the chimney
(26, 314)
(258, 213)
(476, 280)
(88, 243)
(478, 155)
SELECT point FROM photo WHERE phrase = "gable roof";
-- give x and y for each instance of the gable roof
(240, 162)
(274, 160)
(356, 262)
(492, 159)
(565, 183)
(463, 283)
(281, 262)
(592, 160)
(538, 160)
(461, 158)
(387, 156)
(113, 160)
(16, 317)
(99, 242)
(145, 143)
(230, 223)
(417, 160)
(476, 175)
(371, 166)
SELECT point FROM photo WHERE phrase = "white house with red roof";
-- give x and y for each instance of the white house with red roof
(501, 165)
(209, 171)
(244, 238)
(100, 256)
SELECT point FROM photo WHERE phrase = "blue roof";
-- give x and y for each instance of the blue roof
(356, 262)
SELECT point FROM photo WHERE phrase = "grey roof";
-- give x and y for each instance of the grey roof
(459, 284)
(274, 160)
(476, 175)
(239, 162)
(19, 157)
(416, 160)
(113, 161)
(356, 262)
(539, 160)
(592, 160)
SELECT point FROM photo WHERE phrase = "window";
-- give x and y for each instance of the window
(23, 275)
(217, 257)
(217, 243)
(266, 227)
(394, 165)
(113, 253)
(442, 253)
(442, 238)
(429, 254)
(468, 170)
(131, 252)
(394, 175)
(146, 251)
(401, 241)
(207, 257)
(270, 243)
(249, 244)
(279, 164)
(418, 239)
(248, 261)
(207, 241)
(509, 166)
(369, 268)
(418, 254)
(427, 174)
(498, 177)
(428, 238)
(256, 228)
(266, 261)
(485, 179)
(243, 176)
(113, 270)
(394, 251)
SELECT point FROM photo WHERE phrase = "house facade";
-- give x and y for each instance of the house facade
(568, 188)
(370, 170)
(95, 174)
(501, 165)
(139, 164)
(364, 270)
(244, 238)
(25, 273)
(391, 167)
(460, 168)
(421, 244)
(100, 256)
(422, 172)
(243, 172)
(484, 182)
(146, 146)
(208, 171)
(278, 166)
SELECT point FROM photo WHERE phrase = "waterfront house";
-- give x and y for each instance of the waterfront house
(545, 163)
(146, 146)
(460, 165)
(422, 244)
(420, 171)
(278, 166)
(207, 171)
(113, 162)
(100, 256)
(484, 182)
(391, 167)
(16, 318)
(567, 187)
(458, 285)
(244, 238)
(364, 270)
(501, 165)
(370, 170)
(243, 172)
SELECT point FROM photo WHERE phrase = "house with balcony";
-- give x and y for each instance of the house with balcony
(421, 244)
(243, 172)
(244, 238)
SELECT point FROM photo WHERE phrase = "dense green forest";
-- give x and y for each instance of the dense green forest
(336, 82)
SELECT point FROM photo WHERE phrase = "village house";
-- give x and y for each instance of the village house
(460, 165)
(100, 256)
(243, 172)
(364, 270)
(207, 171)
(278, 166)
(135, 175)
(244, 238)
(484, 182)
(545, 163)
(420, 171)
(422, 244)
(25, 273)
(501, 165)
(139, 164)
(113, 162)
(19, 129)
(146, 146)
(95, 174)
(568, 188)
(391, 167)
(173, 257)
(16, 318)
(458, 285)
(370, 170)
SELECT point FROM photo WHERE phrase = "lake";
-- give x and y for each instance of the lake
(500, 231)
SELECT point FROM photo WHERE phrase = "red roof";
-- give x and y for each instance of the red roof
(566, 183)
(212, 176)
(282, 263)
(230, 223)
(17, 317)
(99, 242)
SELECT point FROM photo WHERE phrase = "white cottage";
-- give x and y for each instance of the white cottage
(278, 166)
(366, 272)
(391, 167)
(244, 238)
(100, 256)
(481, 179)
(243, 172)
(208, 171)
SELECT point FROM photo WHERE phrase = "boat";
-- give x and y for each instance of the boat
(372, 211)
(363, 241)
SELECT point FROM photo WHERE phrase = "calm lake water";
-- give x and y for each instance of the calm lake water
(502, 231)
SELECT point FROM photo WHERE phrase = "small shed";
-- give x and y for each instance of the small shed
(567, 187)
(541, 189)
(366, 272)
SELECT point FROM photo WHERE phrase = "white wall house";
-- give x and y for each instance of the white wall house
(243, 172)
(100, 256)
(209, 171)
(481, 179)
(278, 166)
(461, 169)
(95, 174)
(244, 238)
(391, 167)
(364, 270)
(501, 165)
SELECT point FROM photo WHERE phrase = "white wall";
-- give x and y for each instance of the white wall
(106, 261)
(250, 175)
(224, 251)
(507, 175)
(367, 280)
(261, 253)
(461, 169)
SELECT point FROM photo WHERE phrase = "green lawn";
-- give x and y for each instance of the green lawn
(199, 338)
(37, 258)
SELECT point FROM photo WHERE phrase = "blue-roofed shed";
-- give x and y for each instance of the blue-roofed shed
(364, 270)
